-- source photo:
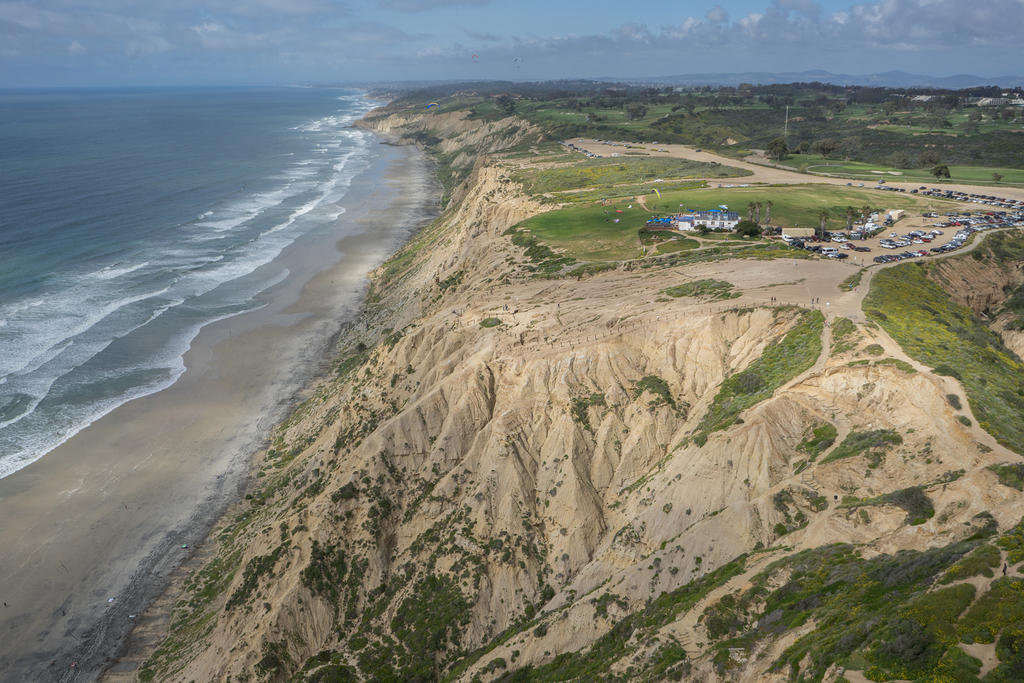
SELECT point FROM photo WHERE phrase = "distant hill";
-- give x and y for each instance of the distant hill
(891, 79)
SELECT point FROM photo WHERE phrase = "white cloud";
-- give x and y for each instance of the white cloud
(851, 35)
(424, 5)
(482, 36)
(147, 45)
(716, 14)
(216, 36)
(807, 7)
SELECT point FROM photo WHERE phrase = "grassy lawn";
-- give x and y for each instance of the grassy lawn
(599, 173)
(937, 331)
(794, 205)
(614, 192)
(588, 232)
(675, 245)
(979, 175)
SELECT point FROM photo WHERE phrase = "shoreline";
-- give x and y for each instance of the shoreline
(97, 535)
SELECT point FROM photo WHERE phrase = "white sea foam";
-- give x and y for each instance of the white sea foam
(36, 443)
(65, 329)
(117, 270)
(65, 318)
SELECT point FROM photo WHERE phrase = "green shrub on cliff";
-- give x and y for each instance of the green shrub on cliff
(781, 361)
(714, 290)
(1010, 474)
(820, 440)
(947, 336)
(873, 443)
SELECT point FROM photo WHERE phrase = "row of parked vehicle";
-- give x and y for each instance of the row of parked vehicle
(955, 195)
(826, 249)
(973, 198)
(895, 241)
(967, 225)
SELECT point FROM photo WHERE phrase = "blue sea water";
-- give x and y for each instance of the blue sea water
(131, 218)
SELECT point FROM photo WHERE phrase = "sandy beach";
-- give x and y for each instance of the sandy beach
(92, 531)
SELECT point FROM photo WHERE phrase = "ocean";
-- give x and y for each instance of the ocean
(129, 219)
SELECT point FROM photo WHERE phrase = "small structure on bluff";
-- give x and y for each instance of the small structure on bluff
(715, 219)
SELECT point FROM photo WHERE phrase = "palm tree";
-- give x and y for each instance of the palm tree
(757, 213)
(822, 219)
(768, 213)
(849, 218)
(750, 212)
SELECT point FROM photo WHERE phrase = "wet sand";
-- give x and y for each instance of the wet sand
(92, 531)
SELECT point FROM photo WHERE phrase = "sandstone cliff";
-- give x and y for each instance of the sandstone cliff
(461, 500)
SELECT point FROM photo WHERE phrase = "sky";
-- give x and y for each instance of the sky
(58, 43)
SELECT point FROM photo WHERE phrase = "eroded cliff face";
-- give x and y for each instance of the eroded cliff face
(984, 283)
(460, 500)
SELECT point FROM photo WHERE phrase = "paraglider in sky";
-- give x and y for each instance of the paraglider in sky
(432, 104)
(476, 57)
(657, 193)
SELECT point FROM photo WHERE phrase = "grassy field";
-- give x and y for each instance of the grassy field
(948, 337)
(795, 205)
(588, 232)
(605, 173)
(675, 245)
(616, 192)
(977, 175)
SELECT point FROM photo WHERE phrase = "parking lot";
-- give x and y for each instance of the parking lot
(912, 236)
